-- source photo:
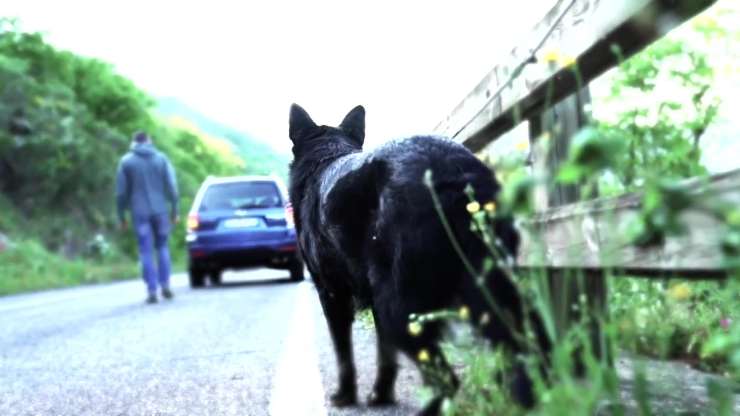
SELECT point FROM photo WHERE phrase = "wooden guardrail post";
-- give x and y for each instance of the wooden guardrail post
(569, 292)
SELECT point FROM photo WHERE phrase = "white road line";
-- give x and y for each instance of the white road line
(297, 387)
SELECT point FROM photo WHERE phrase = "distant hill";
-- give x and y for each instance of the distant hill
(259, 156)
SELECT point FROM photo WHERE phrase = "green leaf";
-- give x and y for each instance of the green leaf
(518, 194)
(719, 343)
(592, 151)
(570, 173)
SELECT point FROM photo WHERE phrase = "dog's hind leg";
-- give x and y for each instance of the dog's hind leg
(392, 319)
(385, 381)
(424, 350)
(499, 315)
(437, 374)
(339, 313)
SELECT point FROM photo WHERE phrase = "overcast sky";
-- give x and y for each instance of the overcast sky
(244, 62)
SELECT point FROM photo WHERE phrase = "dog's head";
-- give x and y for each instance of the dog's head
(307, 136)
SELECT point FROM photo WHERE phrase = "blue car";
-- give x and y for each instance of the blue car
(241, 222)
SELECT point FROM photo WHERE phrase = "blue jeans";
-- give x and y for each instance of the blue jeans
(154, 231)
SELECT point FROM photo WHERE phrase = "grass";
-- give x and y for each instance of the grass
(27, 266)
(674, 319)
(33, 261)
(694, 323)
(479, 394)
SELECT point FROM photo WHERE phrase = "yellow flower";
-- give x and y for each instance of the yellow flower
(554, 56)
(464, 312)
(473, 207)
(680, 292)
(567, 61)
(490, 206)
(551, 55)
(415, 328)
(423, 355)
(522, 145)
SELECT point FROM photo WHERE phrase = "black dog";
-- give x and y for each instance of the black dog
(370, 236)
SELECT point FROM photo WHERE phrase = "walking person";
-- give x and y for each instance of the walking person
(146, 186)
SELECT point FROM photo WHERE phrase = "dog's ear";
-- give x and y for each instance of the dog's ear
(300, 123)
(354, 124)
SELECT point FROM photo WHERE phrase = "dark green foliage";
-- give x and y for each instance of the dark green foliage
(80, 114)
(662, 204)
(590, 153)
(65, 121)
(517, 197)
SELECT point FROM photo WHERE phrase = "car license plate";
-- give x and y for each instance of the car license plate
(241, 223)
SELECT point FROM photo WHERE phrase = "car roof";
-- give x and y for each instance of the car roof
(244, 178)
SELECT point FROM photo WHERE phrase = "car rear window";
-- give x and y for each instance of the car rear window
(241, 195)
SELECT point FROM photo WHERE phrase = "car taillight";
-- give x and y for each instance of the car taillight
(192, 223)
(289, 219)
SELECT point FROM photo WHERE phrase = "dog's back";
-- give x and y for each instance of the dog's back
(382, 215)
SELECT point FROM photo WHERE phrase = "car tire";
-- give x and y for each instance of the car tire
(296, 272)
(215, 277)
(197, 278)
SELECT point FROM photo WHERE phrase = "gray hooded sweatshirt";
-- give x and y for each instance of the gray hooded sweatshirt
(145, 183)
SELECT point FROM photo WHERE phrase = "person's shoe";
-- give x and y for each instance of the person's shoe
(152, 298)
(167, 293)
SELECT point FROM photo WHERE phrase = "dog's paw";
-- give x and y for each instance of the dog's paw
(343, 399)
(432, 408)
(376, 399)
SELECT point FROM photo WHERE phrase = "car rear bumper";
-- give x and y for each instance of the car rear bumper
(276, 253)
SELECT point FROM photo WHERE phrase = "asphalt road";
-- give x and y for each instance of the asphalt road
(256, 346)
